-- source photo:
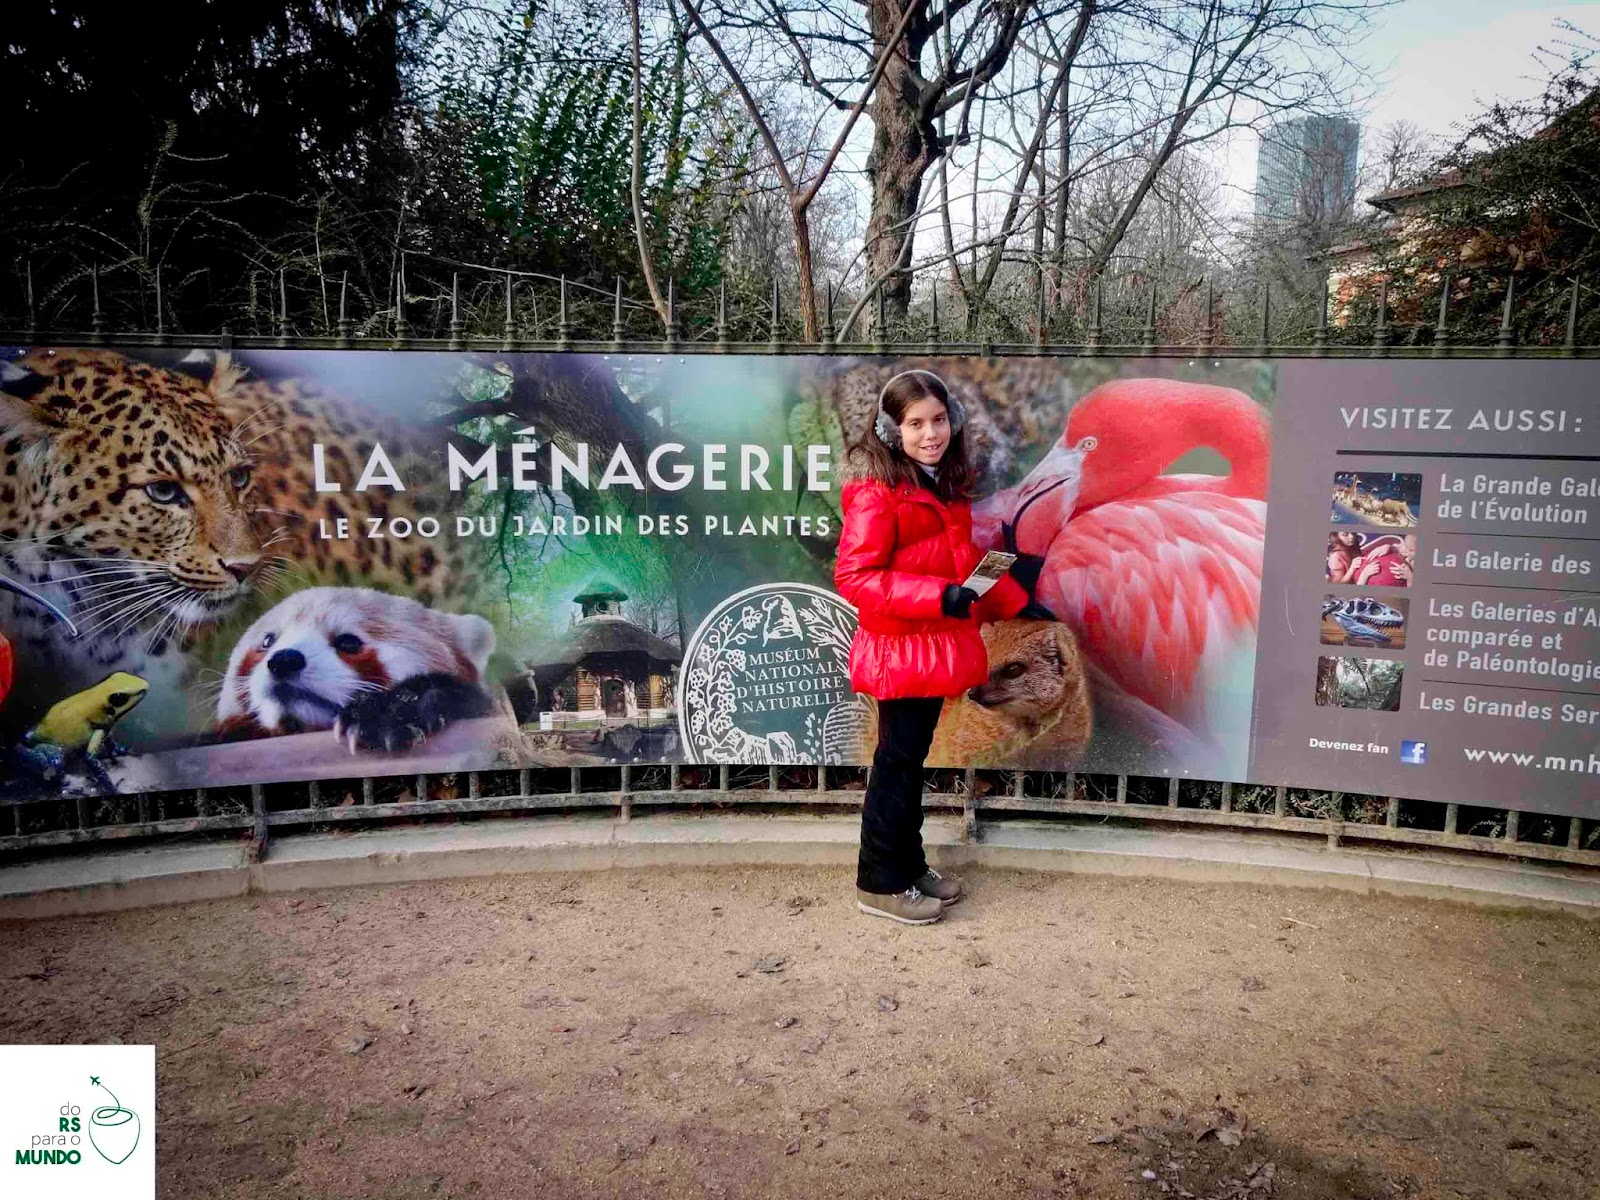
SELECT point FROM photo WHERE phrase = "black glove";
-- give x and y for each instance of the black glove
(1026, 571)
(957, 601)
(1034, 611)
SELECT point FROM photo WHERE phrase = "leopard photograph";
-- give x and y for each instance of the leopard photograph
(161, 508)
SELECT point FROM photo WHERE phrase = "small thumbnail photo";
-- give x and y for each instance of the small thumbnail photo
(1364, 621)
(1371, 559)
(1378, 498)
(1372, 683)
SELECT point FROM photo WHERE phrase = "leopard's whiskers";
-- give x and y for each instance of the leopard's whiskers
(121, 594)
(254, 415)
(125, 620)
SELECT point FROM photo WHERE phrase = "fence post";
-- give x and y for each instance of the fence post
(1319, 337)
(563, 320)
(671, 330)
(1147, 332)
(969, 807)
(161, 324)
(33, 312)
(1264, 335)
(617, 331)
(1040, 317)
(283, 309)
(776, 340)
(722, 317)
(400, 306)
(1569, 344)
(344, 314)
(1092, 344)
(257, 850)
(1380, 331)
(1503, 341)
(457, 325)
(97, 320)
(1441, 333)
(827, 320)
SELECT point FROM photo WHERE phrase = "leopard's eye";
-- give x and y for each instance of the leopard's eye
(347, 643)
(166, 491)
(240, 477)
(266, 642)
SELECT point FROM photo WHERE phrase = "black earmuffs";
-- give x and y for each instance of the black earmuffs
(889, 433)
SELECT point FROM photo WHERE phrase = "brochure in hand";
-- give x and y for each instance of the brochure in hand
(987, 573)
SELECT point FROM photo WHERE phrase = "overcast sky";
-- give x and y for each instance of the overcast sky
(1436, 59)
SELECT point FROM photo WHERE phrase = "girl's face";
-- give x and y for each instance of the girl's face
(925, 431)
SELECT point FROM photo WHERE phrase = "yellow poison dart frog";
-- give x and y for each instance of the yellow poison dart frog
(83, 722)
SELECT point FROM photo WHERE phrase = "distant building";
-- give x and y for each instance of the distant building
(1306, 172)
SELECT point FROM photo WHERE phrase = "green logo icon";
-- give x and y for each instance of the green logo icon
(113, 1130)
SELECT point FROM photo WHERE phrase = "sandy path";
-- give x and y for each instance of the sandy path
(748, 1033)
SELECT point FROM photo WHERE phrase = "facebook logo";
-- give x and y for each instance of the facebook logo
(1414, 753)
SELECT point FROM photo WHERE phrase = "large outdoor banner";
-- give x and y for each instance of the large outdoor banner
(294, 565)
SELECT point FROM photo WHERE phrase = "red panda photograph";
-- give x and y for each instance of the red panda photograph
(383, 672)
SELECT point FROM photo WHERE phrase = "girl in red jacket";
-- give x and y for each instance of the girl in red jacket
(904, 550)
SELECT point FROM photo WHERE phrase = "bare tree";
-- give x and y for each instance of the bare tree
(636, 172)
(1016, 103)
(801, 192)
(1398, 155)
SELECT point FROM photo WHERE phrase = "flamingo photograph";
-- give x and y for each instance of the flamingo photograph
(1157, 571)
(1136, 505)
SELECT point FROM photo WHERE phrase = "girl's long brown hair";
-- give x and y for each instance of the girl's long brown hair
(954, 479)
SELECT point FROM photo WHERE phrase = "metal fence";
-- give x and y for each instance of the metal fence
(259, 810)
(542, 313)
(439, 304)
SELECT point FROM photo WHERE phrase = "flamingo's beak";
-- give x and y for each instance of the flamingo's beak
(1046, 497)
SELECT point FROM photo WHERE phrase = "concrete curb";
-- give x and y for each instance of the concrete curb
(137, 878)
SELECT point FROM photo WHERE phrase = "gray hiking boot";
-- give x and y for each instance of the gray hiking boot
(909, 907)
(946, 891)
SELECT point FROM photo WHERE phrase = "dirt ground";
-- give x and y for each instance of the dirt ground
(748, 1033)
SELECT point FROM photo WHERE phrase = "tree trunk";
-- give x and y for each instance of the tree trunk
(808, 290)
(904, 145)
(1063, 169)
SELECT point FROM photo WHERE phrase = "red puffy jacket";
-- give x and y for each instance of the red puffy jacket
(899, 548)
